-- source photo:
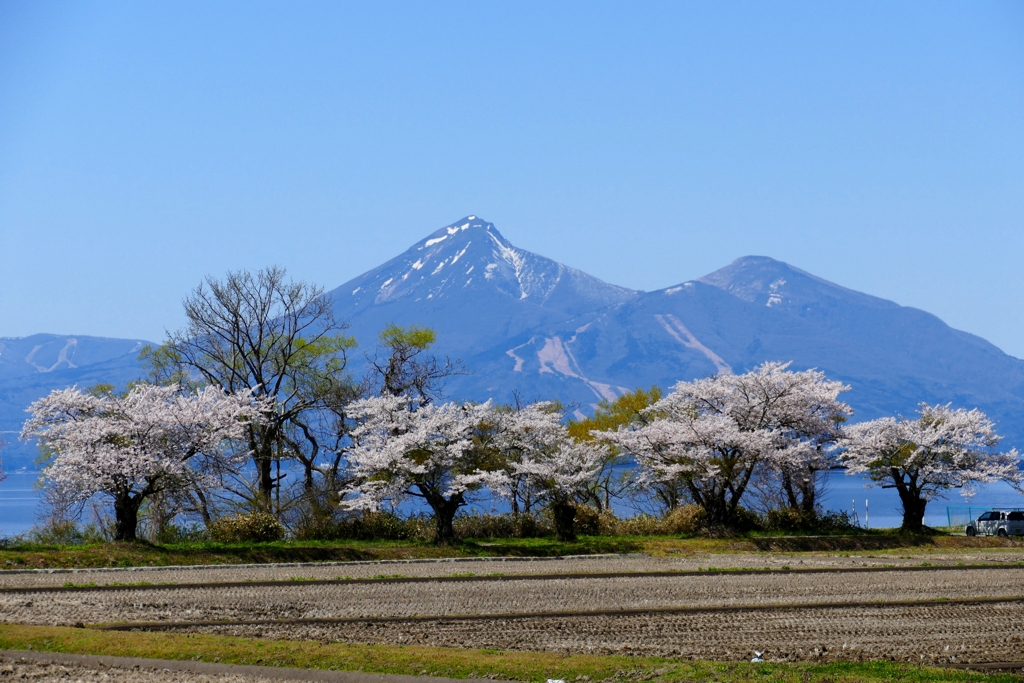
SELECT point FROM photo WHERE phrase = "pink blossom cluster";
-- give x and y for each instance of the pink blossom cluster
(943, 448)
(114, 444)
(403, 448)
(541, 458)
(400, 443)
(715, 431)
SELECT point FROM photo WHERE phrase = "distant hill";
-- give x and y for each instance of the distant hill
(526, 324)
(31, 367)
(759, 309)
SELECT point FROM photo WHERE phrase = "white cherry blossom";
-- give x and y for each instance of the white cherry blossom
(130, 447)
(403, 449)
(543, 464)
(944, 448)
(712, 434)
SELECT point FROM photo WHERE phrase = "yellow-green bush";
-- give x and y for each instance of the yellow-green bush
(259, 527)
(688, 519)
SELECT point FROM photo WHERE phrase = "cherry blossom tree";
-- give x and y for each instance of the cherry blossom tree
(131, 447)
(803, 412)
(405, 449)
(711, 435)
(543, 464)
(617, 478)
(944, 448)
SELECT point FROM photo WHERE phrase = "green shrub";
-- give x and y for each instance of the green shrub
(173, 533)
(835, 522)
(256, 527)
(501, 526)
(389, 526)
(366, 526)
(788, 519)
(640, 525)
(744, 520)
(588, 521)
(65, 532)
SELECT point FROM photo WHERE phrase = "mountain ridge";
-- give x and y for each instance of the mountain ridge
(530, 327)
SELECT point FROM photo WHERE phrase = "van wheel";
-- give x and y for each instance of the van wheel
(971, 531)
(1002, 532)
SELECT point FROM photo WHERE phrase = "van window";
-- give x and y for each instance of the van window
(1016, 516)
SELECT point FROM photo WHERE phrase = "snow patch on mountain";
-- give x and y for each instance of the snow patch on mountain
(553, 358)
(775, 293)
(556, 357)
(511, 353)
(63, 356)
(680, 333)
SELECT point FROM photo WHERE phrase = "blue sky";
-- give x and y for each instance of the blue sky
(145, 145)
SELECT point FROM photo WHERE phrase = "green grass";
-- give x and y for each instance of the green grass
(459, 663)
(140, 554)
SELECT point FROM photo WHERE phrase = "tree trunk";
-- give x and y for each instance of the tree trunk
(913, 511)
(265, 480)
(126, 516)
(204, 508)
(307, 474)
(787, 488)
(444, 517)
(261, 443)
(716, 507)
(565, 521)
(810, 495)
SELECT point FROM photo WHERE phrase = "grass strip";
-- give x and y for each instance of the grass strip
(141, 554)
(459, 663)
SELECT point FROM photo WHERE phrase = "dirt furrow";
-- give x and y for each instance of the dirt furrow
(341, 600)
(937, 633)
(510, 566)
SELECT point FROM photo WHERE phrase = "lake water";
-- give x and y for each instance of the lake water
(19, 502)
(884, 508)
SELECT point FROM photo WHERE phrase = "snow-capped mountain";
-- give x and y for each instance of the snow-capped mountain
(533, 327)
(759, 309)
(473, 287)
(527, 325)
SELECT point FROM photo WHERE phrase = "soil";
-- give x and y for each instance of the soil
(933, 634)
(13, 669)
(483, 566)
(785, 615)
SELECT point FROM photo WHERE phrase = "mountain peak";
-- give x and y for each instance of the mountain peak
(470, 255)
(470, 223)
(762, 279)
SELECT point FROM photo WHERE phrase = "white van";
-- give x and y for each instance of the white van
(998, 523)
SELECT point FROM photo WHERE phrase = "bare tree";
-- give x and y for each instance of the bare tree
(279, 339)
